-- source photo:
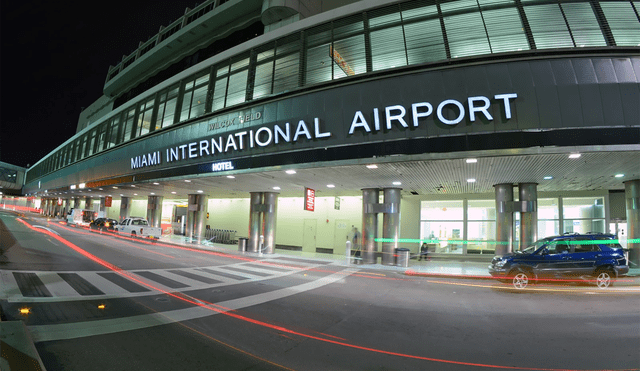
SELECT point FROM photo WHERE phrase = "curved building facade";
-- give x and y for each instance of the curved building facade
(415, 88)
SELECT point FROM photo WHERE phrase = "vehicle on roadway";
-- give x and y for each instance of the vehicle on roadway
(592, 256)
(104, 224)
(138, 227)
(83, 218)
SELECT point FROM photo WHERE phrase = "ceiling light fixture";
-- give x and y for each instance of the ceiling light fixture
(472, 160)
(173, 193)
(373, 166)
(397, 183)
(156, 183)
(200, 191)
(290, 171)
(619, 175)
(187, 180)
(276, 188)
(331, 186)
(471, 180)
(548, 177)
(231, 177)
(575, 155)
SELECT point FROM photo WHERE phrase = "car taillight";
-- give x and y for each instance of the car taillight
(140, 230)
(106, 224)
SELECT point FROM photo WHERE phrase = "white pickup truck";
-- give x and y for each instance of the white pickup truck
(138, 227)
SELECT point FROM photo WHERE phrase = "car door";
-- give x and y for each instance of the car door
(585, 255)
(555, 260)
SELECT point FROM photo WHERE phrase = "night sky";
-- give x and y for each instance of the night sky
(54, 61)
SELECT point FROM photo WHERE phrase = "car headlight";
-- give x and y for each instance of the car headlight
(501, 263)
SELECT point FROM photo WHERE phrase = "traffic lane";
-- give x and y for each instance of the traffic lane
(26, 249)
(459, 324)
(166, 348)
(128, 253)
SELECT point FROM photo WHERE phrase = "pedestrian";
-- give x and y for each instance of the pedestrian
(356, 243)
(424, 252)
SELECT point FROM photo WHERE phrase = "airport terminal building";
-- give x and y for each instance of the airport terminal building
(478, 125)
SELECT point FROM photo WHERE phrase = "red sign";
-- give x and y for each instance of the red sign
(107, 201)
(309, 199)
(59, 201)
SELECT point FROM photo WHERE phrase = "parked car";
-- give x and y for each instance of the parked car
(593, 257)
(104, 224)
(138, 227)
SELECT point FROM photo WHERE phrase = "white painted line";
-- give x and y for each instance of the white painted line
(56, 285)
(103, 284)
(109, 326)
(9, 289)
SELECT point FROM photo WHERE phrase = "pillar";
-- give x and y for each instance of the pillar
(504, 218)
(390, 224)
(154, 211)
(370, 197)
(269, 216)
(255, 202)
(196, 215)
(76, 202)
(88, 203)
(528, 201)
(125, 207)
(632, 197)
(103, 206)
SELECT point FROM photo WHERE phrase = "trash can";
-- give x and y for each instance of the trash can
(402, 257)
(242, 244)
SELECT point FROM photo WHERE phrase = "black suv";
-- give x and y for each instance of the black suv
(570, 256)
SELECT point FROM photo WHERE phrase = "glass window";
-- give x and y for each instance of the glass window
(481, 226)
(548, 26)
(319, 63)
(263, 80)
(443, 221)
(128, 125)
(114, 127)
(504, 28)
(167, 107)
(548, 214)
(623, 21)
(237, 89)
(145, 109)
(583, 207)
(349, 57)
(91, 142)
(219, 93)
(583, 24)
(464, 31)
(101, 137)
(194, 97)
(424, 41)
(286, 73)
(441, 210)
(387, 48)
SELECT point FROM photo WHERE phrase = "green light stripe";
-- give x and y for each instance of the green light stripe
(465, 242)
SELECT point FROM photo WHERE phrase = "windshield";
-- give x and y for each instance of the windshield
(536, 245)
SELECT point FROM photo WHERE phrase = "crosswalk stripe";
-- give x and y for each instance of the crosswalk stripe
(82, 286)
(194, 276)
(268, 267)
(223, 274)
(31, 285)
(126, 284)
(168, 282)
(108, 287)
(245, 271)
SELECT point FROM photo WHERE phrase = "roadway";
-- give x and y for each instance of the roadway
(99, 302)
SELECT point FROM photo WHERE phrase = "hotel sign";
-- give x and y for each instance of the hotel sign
(309, 199)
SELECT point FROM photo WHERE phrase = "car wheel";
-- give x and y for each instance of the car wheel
(133, 234)
(521, 279)
(604, 278)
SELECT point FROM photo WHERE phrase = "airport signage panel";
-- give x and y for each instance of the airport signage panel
(309, 199)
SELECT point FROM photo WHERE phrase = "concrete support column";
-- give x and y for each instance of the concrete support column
(103, 206)
(154, 211)
(270, 216)
(196, 215)
(88, 203)
(76, 202)
(504, 218)
(370, 198)
(66, 208)
(49, 207)
(125, 207)
(255, 221)
(528, 200)
(390, 224)
(632, 197)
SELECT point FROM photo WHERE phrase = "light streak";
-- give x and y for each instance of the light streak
(227, 311)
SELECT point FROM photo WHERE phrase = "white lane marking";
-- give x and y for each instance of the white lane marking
(109, 326)
(10, 287)
(56, 285)
(46, 229)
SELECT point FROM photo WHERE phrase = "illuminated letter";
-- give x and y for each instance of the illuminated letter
(204, 146)
(416, 114)
(302, 129)
(359, 121)
(507, 105)
(143, 163)
(174, 154)
(182, 147)
(135, 162)
(450, 122)
(483, 109)
(286, 135)
(193, 151)
(395, 117)
(376, 119)
(230, 143)
(216, 145)
(316, 123)
(240, 135)
(270, 136)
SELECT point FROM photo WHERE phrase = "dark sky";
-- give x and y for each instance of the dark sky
(54, 59)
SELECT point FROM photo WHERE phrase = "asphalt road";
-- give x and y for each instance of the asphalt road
(170, 308)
